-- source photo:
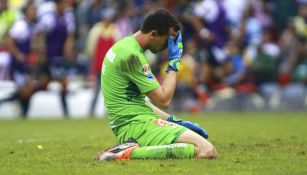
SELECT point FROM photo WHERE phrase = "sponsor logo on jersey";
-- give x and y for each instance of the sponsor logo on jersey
(110, 55)
(150, 77)
(146, 69)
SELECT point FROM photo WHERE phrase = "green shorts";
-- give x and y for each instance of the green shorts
(150, 131)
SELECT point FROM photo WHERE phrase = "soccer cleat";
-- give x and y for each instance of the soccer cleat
(119, 152)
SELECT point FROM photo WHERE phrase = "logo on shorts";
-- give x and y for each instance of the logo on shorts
(172, 125)
(160, 122)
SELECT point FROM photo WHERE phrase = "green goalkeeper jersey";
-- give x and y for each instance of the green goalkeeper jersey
(125, 78)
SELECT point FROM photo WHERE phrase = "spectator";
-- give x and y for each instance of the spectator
(19, 44)
(188, 79)
(251, 30)
(228, 42)
(265, 65)
(214, 30)
(4, 66)
(287, 43)
(101, 37)
(282, 11)
(214, 34)
(299, 21)
(7, 18)
(235, 11)
(184, 11)
(300, 26)
(262, 12)
(237, 69)
(57, 29)
(123, 21)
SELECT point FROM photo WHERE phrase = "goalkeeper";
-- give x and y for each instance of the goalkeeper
(142, 130)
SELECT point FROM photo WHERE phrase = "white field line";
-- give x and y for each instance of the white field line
(35, 140)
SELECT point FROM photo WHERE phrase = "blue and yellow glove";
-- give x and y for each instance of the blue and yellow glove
(192, 126)
(175, 49)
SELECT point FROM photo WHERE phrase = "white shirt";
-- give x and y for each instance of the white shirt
(207, 9)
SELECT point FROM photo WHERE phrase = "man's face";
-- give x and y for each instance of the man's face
(31, 12)
(159, 42)
(61, 6)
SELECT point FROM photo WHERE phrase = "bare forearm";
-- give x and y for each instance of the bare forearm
(12, 47)
(169, 85)
(162, 96)
(196, 22)
(68, 48)
(156, 110)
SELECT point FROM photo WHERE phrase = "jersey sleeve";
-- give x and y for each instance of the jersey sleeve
(46, 22)
(70, 22)
(143, 78)
(19, 30)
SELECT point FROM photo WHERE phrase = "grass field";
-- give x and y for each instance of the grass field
(248, 143)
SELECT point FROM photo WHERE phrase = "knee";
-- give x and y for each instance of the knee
(206, 152)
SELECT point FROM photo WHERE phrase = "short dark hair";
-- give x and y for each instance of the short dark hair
(58, 1)
(26, 6)
(160, 20)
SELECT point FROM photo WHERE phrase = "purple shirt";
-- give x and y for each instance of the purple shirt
(57, 29)
(21, 32)
(214, 18)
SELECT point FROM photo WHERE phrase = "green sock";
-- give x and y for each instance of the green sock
(175, 151)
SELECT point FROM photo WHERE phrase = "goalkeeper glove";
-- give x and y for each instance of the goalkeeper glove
(175, 49)
(192, 126)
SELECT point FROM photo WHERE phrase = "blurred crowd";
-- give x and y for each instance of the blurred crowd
(237, 44)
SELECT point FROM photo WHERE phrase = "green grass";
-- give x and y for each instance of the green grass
(248, 143)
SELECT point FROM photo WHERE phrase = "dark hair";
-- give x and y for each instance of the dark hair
(58, 1)
(26, 6)
(160, 20)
